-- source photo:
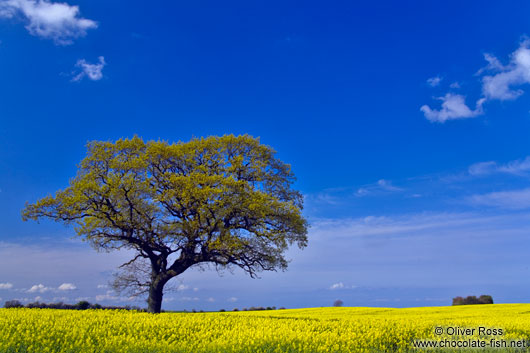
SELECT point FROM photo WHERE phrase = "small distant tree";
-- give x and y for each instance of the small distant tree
(458, 301)
(225, 201)
(469, 300)
(82, 305)
(13, 304)
(485, 299)
(338, 303)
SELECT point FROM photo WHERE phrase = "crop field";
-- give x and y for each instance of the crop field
(295, 330)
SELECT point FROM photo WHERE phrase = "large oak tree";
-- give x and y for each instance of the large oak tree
(225, 201)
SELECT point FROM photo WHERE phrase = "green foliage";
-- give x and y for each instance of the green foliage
(338, 303)
(483, 299)
(13, 304)
(83, 305)
(223, 200)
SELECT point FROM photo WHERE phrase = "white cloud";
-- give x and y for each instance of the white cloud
(51, 20)
(339, 285)
(387, 185)
(493, 64)
(399, 225)
(189, 299)
(434, 81)
(232, 299)
(514, 199)
(517, 72)
(182, 287)
(67, 286)
(210, 300)
(453, 107)
(60, 299)
(102, 286)
(105, 297)
(362, 191)
(381, 185)
(39, 288)
(92, 71)
(323, 197)
(110, 296)
(516, 167)
(501, 82)
(482, 168)
(6, 285)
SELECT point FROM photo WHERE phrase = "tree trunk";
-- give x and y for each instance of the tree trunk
(156, 292)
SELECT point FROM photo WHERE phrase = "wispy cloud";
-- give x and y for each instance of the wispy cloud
(111, 296)
(434, 81)
(340, 285)
(67, 286)
(61, 299)
(516, 167)
(500, 85)
(189, 299)
(6, 285)
(514, 199)
(482, 168)
(50, 20)
(453, 107)
(499, 82)
(40, 288)
(93, 72)
(380, 185)
(398, 225)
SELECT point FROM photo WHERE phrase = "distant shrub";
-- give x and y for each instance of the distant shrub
(338, 303)
(82, 305)
(254, 308)
(13, 304)
(36, 305)
(483, 299)
(222, 310)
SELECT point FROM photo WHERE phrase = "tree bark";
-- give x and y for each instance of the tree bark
(156, 292)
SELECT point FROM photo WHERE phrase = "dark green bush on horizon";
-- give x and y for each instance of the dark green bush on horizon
(82, 305)
(483, 299)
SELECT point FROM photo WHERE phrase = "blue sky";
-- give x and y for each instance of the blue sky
(405, 123)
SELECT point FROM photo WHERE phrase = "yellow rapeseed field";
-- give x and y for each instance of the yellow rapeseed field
(297, 330)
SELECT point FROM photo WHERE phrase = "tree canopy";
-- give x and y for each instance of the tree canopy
(222, 200)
